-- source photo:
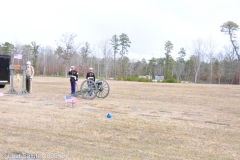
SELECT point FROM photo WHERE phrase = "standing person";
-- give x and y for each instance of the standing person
(29, 76)
(73, 78)
(90, 75)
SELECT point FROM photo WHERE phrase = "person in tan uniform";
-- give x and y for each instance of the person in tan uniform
(29, 76)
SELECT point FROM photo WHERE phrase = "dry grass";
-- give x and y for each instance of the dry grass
(149, 121)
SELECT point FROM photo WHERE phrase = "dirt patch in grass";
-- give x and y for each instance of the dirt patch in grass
(149, 121)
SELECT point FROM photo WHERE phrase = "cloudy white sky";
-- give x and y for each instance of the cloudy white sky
(148, 23)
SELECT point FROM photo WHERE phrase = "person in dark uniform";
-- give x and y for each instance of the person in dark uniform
(90, 75)
(73, 78)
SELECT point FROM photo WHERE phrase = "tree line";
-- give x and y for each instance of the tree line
(109, 59)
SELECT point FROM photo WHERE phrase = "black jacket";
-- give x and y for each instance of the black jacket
(90, 74)
(73, 75)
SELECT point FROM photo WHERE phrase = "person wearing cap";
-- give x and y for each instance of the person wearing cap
(90, 75)
(29, 76)
(73, 78)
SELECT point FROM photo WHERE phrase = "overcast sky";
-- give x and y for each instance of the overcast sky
(148, 23)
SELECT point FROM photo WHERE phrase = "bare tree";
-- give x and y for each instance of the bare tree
(160, 66)
(115, 44)
(35, 51)
(198, 55)
(180, 63)
(26, 53)
(131, 68)
(47, 60)
(230, 64)
(18, 50)
(94, 60)
(84, 53)
(125, 65)
(189, 69)
(106, 52)
(66, 49)
(210, 49)
(219, 66)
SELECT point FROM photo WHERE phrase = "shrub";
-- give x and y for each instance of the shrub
(169, 81)
(134, 79)
(144, 80)
(130, 78)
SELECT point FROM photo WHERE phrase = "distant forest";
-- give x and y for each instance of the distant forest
(110, 59)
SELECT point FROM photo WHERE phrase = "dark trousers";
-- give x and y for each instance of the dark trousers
(28, 83)
(73, 86)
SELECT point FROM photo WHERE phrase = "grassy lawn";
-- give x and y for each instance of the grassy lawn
(149, 121)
